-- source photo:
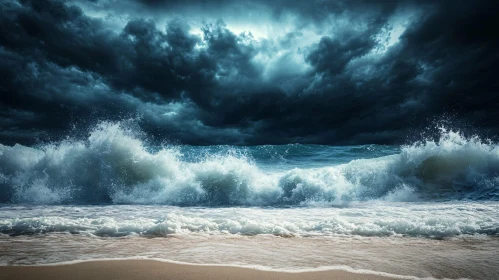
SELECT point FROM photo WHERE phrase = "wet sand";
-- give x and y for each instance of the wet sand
(151, 270)
(472, 258)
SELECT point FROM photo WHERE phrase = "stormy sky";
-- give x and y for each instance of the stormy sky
(247, 72)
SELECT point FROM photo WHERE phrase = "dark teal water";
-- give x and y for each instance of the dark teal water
(115, 166)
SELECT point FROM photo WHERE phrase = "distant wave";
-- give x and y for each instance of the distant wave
(113, 165)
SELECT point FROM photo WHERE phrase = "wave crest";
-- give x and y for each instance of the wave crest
(114, 165)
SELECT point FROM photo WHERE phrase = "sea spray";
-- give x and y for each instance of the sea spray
(114, 165)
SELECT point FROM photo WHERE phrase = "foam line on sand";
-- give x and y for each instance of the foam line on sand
(153, 269)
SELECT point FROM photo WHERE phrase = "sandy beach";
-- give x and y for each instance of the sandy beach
(148, 269)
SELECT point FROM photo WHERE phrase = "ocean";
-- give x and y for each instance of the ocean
(426, 209)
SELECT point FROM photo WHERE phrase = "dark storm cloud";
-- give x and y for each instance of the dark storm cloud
(329, 71)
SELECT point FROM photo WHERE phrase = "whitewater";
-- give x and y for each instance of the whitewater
(113, 165)
(392, 209)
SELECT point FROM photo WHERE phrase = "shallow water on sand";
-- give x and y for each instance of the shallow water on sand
(464, 257)
(454, 239)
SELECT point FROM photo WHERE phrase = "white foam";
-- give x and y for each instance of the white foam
(114, 165)
(434, 220)
(255, 267)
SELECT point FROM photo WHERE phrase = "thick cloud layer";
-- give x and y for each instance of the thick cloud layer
(233, 72)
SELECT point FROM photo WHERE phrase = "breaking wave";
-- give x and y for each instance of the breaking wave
(113, 165)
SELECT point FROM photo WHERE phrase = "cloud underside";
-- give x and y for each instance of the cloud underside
(229, 72)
